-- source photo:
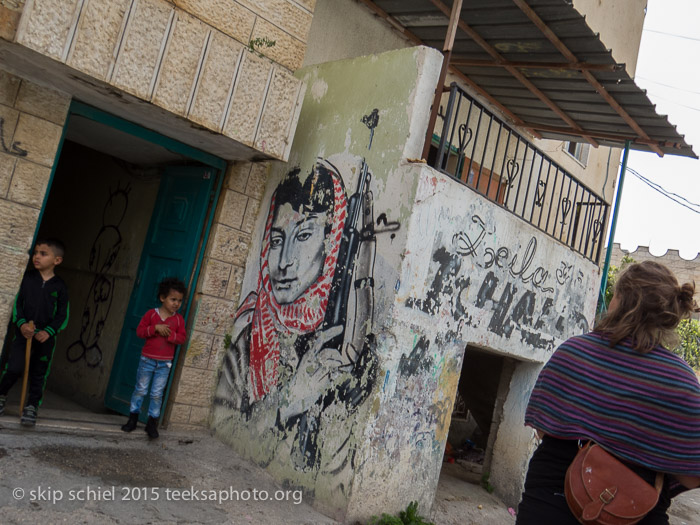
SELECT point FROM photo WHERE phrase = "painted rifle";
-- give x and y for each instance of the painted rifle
(336, 312)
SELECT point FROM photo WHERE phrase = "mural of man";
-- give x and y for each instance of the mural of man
(288, 363)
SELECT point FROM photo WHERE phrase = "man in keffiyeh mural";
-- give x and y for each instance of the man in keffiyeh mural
(287, 363)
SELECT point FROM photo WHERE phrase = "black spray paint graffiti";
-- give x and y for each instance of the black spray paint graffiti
(504, 257)
(418, 360)
(564, 272)
(298, 351)
(447, 285)
(103, 254)
(517, 293)
(14, 148)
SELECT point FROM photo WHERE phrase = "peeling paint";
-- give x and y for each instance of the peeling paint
(490, 279)
(443, 400)
(319, 88)
(308, 406)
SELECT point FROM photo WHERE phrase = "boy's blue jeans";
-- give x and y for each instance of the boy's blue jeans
(156, 373)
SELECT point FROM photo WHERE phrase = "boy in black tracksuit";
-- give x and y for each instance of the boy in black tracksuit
(43, 301)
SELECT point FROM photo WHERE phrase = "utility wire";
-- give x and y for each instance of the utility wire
(668, 85)
(673, 102)
(672, 34)
(663, 191)
(637, 174)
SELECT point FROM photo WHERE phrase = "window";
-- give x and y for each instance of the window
(579, 151)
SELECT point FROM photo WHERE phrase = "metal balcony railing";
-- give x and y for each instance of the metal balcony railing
(478, 149)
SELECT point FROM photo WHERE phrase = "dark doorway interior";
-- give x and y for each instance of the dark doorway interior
(100, 204)
(481, 391)
(100, 207)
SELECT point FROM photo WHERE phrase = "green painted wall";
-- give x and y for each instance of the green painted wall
(339, 94)
(315, 448)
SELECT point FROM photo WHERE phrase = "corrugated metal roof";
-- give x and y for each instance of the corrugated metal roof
(543, 67)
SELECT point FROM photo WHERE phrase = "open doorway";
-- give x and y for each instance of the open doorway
(482, 390)
(131, 206)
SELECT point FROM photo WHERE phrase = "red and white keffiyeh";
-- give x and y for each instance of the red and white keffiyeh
(302, 316)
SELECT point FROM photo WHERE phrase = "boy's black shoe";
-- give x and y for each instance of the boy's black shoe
(152, 427)
(3, 400)
(28, 416)
(131, 424)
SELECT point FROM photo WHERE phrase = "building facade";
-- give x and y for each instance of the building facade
(346, 296)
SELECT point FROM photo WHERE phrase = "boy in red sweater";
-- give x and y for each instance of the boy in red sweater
(163, 329)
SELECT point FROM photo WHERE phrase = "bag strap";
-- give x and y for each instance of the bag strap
(659, 483)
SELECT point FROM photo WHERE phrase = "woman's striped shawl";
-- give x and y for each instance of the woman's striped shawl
(642, 408)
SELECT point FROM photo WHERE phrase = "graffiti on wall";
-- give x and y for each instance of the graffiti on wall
(302, 354)
(98, 301)
(473, 274)
(14, 147)
(416, 417)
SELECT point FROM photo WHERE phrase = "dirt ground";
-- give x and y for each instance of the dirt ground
(459, 502)
(54, 476)
(62, 478)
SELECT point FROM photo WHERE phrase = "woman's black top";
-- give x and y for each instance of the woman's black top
(544, 503)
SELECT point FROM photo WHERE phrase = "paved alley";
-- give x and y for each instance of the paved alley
(76, 467)
(111, 477)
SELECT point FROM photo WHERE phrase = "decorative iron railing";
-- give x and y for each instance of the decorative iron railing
(478, 149)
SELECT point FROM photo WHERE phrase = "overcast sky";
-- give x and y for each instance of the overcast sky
(668, 69)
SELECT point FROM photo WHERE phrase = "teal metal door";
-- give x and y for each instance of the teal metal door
(170, 250)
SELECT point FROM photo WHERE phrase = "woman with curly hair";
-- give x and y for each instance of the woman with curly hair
(620, 387)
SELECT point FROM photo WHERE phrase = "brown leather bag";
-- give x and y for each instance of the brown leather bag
(601, 490)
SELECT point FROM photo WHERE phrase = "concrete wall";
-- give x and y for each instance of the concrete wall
(189, 58)
(484, 275)
(514, 442)
(348, 29)
(446, 268)
(297, 400)
(474, 274)
(103, 228)
(620, 26)
(31, 120)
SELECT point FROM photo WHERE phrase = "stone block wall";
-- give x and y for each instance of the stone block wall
(218, 292)
(686, 270)
(10, 13)
(192, 58)
(31, 123)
